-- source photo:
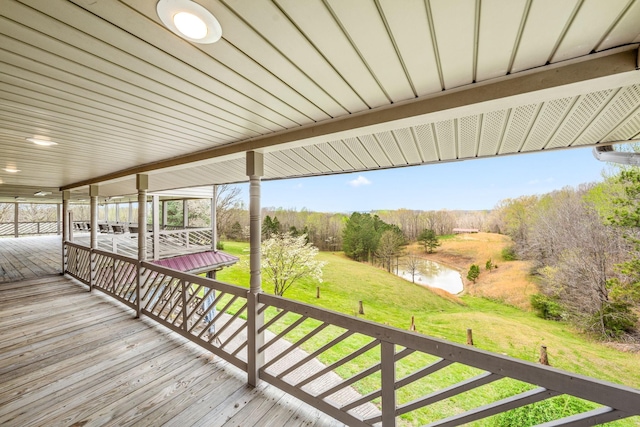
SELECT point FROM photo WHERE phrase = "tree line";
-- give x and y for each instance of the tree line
(584, 243)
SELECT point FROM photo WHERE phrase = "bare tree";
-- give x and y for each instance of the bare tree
(412, 264)
(6, 212)
(227, 201)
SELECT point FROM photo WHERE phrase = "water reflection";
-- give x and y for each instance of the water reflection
(430, 273)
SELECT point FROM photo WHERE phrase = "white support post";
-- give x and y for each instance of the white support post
(130, 213)
(255, 170)
(16, 222)
(70, 228)
(164, 214)
(185, 213)
(388, 380)
(156, 226)
(117, 212)
(66, 195)
(142, 184)
(93, 194)
(214, 220)
(58, 218)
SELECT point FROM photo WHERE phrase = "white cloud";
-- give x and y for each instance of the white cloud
(360, 180)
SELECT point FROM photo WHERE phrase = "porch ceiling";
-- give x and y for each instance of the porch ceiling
(320, 86)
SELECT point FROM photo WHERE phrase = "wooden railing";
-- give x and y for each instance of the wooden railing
(28, 228)
(359, 372)
(170, 242)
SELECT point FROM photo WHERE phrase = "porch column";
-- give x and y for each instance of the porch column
(16, 224)
(164, 214)
(129, 214)
(255, 170)
(93, 195)
(156, 226)
(142, 184)
(58, 218)
(117, 212)
(214, 220)
(185, 213)
(66, 195)
(93, 209)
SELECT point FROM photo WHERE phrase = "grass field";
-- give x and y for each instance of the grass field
(498, 327)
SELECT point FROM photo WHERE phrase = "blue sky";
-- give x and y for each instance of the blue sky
(467, 185)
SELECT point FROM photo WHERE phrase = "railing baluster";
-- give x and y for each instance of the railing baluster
(183, 287)
(388, 362)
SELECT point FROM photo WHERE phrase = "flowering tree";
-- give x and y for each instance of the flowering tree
(286, 258)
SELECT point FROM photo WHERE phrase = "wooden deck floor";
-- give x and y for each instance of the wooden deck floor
(29, 257)
(68, 357)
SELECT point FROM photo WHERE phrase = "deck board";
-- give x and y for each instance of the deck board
(70, 357)
(29, 257)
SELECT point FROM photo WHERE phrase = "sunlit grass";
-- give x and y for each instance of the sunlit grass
(390, 300)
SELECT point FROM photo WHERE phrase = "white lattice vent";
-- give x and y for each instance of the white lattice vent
(492, 132)
(363, 149)
(629, 130)
(629, 127)
(407, 144)
(329, 151)
(344, 149)
(468, 130)
(550, 116)
(520, 121)
(319, 154)
(389, 145)
(446, 139)
(312, 162)
(426, 143)
(279, 157)
(582, 113)
(618, 108)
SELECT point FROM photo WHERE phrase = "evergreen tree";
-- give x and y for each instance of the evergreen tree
(474, 272)
(429, 240)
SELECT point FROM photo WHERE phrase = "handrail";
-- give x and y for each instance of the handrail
(624, 401)
(217, 316)
(205, 281)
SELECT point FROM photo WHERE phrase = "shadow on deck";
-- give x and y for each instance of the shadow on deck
(68, 357)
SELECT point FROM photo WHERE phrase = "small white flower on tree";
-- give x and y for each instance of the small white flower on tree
(286, 259)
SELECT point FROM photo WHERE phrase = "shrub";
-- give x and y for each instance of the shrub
(219, 245)
(509, 254)
(616, 319)
(547, 307)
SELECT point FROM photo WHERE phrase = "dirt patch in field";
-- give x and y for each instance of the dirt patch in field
(509, 282)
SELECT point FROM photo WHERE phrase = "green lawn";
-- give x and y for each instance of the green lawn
(496, 327)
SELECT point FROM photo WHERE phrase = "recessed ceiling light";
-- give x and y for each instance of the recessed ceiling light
(41, 141)
(11, 170)
(189, 20)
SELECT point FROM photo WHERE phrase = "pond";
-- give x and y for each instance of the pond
(430, 273)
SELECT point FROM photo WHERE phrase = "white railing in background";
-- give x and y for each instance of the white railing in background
(379, 360)
(170, 242)
(182, 241)
(31, 228)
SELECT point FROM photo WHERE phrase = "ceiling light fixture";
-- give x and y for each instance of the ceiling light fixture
(11, 170)
(189, 20)
(42, 141)
(42, 193)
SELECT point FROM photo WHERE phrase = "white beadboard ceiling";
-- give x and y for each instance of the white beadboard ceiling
(319, 86)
